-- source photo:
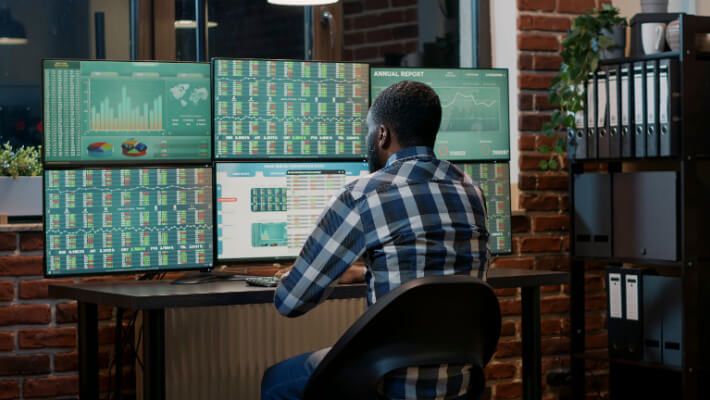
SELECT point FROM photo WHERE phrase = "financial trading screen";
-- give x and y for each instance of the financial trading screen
(100, 221)
(474, 104)
(494, 180)
(103, 111)
(268, 210)
(290, 109)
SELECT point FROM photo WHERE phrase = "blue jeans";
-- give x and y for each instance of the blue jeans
(287, 379)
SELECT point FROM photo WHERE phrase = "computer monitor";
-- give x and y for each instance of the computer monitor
(494, 179)
(266, 211)
(120, 220)
(289, 109)
(474, 104)
(112, 112)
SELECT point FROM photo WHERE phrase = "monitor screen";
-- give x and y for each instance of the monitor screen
(494, 179)
(474, 102)
(104, 221)
(268, 210)
(130, 112)
(289, 109)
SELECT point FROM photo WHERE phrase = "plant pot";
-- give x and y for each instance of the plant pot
(21, 196)
(618, 37)
(654, 6)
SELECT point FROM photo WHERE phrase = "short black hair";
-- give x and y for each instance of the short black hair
(412, 110)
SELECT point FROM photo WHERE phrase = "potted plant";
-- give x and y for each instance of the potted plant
(20, 181)
(590, 37)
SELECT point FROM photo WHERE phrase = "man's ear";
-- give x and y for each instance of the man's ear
(384, 137)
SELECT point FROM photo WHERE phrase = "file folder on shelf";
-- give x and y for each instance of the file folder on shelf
(591, 118)
(653, 305)
(602, 112)
(633, 313)
(592, 217)
(579, 135)
(651, 109)
(669, 112)
(615, 297)
(639, 110)
(614, 111)
(627, 114)
(673, 323)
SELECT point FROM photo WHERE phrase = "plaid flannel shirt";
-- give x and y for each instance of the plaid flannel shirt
(417, 216)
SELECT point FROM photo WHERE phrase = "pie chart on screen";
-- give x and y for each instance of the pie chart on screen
(100, 149)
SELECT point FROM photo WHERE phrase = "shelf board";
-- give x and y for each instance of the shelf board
(655, 263)
(601, 356)
(651, 57)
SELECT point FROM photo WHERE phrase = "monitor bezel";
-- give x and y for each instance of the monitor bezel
(117, 163)
(205, 268)
(282, 158)
(240, 261)
(458, 163)
(507, 105)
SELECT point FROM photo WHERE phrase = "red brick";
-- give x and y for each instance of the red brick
(525, 102)
(508, 348)
(542, 62)
(536, 5)
(575, 6)
(26, 364)
(540, 245)
(402, 3)
(526, 142)
(593, 284)
(48, 337)
(510, 307)
(366, 53)
(550, 223)
(594, 322)
(513, 390)
(535, 81)
(51, 386)
(598, 341)
(31, 241)
(9, 389)
(527, 181)
(548, 289)
(525, 61)
(538, 42)
(513, 262)
(554, 305)
(500, 371)
(7, 341)
(7, 291)
(379, 35)
(67, 313)
(555, 345)
(20, 265)
(520, 223)
(595, 303)
(532, 122)
(544, 23)
(508, 328)
(531, 161)
(354, 38)
(64, 362)
(37, 289)
(24, 314)
(542, 103)
(8, 241)
(506, 292)
(553, 182)
(539, 202)
(375, 4)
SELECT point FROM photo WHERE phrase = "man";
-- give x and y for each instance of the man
(413, 216)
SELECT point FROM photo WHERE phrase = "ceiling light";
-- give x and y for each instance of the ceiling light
(192, 24)
(302, 2)
(12, 32)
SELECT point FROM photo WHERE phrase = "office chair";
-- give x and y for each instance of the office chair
(428, 321)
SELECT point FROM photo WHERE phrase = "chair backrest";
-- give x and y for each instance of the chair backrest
(428, 321)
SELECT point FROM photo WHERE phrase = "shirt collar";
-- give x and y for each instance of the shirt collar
(411, 153)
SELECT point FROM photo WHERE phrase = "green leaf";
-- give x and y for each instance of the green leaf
(544, 148)
(553, 165)
(543, 165)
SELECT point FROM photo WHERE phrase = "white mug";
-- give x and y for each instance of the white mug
(653, 37)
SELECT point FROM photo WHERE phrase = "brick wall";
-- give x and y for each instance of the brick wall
(38, 357)
(374, 28)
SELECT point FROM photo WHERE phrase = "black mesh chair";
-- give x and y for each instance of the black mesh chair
(427, 321)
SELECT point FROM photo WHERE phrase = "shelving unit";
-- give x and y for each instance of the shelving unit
(630, 379)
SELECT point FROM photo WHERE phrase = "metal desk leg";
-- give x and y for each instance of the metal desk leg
(88, 327)
(532, 354)
(154, 354)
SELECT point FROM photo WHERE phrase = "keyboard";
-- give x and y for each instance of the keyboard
(264, 281)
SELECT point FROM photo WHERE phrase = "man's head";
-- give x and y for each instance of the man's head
(405, 114)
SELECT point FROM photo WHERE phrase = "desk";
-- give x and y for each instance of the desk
(153, 297)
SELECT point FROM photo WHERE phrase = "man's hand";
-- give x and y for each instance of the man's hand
(354, 274)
